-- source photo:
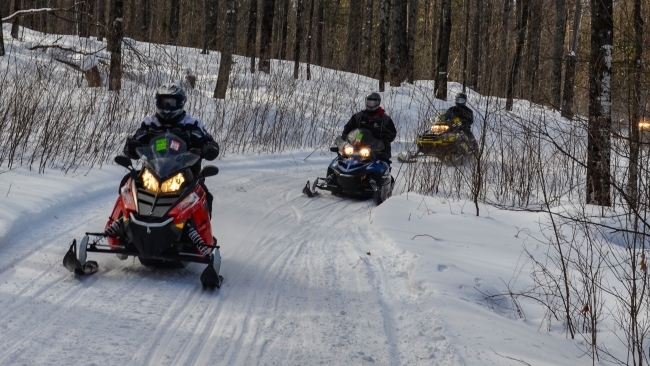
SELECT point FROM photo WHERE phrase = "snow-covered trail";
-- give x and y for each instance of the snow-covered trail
(299, 287)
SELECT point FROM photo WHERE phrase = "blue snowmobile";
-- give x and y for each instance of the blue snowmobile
(356, 171)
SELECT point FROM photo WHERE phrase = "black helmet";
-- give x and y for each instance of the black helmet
(461, 99)
(170, 100)
(372, 101)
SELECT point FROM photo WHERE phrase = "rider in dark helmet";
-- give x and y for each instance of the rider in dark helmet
(374, 119)
(463, 114)
(171, 117)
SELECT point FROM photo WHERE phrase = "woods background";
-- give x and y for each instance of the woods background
(489, 46)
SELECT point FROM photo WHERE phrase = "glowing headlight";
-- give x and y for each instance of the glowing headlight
(364, 152)
(439, 128)
(172, 184)
(149, 181)
(644, 125)
(348, 150)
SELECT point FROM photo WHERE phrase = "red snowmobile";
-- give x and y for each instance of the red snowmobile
(160, 216)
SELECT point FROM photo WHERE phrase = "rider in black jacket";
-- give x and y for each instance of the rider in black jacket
(374, 119)
(171, 117)
(461, 113)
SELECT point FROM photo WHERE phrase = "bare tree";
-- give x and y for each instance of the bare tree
(251, 34)
(503, 47)
(443, 53)
(210, 26)
(115, 44)
(473, 77)
(600, 97)
(300, 6)
(412, 32)
(533, 45)
(284, 30)
(309, 37)
(101, 19)
(226, 54)
(513, 78)
(570, 69)
(145, 10)
(2, 39)
(266, 35)
(174, 20)
(352, 56)
(558, 51)
(15, 26)
(636, 73)
(399, 42)
(320, 26)
(383, 43)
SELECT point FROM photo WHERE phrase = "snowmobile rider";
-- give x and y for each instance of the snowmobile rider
(461, 113)
(171, 117)
(374, 119)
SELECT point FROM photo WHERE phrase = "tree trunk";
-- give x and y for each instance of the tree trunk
(296, 47)
(570, 71)
(522, 21)
(534, 41)
(503, 49)
(600, 119)
(558, 51)
(266, 36)
(309, 35)
(466, 46)
(399, 43)
(352, 46)
(473, 79)
(101, 19)
(334, 45)
(174, 21)
(320, 18)
(146, 19)
(82, 19)
(210, 26)
(115, 44)
(443, 53)
(2, 39)
(636, 72)
(226, 55)
(285, 29)
(412, 32)
(251, 34)
(383, 43)
(15, 26)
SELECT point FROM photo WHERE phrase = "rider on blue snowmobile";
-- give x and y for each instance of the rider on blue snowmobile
(171, 117)
(374, 119)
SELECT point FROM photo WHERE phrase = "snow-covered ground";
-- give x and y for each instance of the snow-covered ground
(307, 281)
(415, 281)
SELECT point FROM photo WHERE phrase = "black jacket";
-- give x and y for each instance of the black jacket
(188, 128)
(463, 113)
(378, 123)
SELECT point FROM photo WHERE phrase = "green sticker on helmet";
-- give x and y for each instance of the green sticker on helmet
(161, 144)
(359, 136)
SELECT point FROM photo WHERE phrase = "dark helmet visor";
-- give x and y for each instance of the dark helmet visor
(167, 102)
(372, 103)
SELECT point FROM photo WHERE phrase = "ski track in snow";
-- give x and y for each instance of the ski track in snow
(298, 288)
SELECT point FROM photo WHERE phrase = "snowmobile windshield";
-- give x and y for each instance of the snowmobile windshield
(362, 137)
(166, 154)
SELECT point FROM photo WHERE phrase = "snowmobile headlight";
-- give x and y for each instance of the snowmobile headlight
(644, 125)
(364, 152)
(439, 128)
(149, 181)
(348, 150)
(173, 184)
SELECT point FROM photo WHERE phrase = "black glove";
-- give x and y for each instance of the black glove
(210, 150)
(130, 146)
